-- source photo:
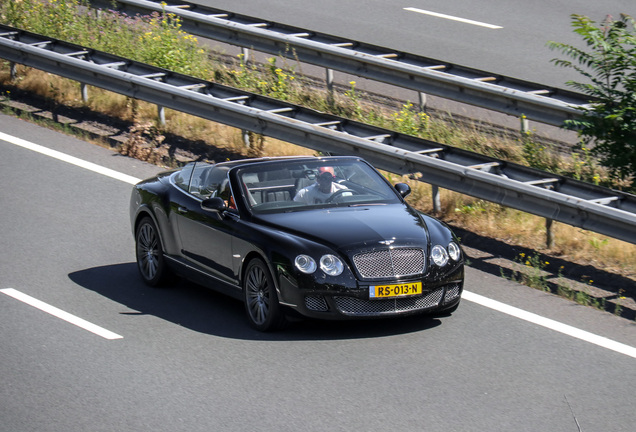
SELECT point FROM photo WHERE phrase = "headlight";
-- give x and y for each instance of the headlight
(454, 251)
(331, 265)
(439, 255)
(305, 264)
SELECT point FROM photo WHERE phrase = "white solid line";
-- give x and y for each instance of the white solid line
(453, 18)
(107, 334)
(551, 324)
(70, 159)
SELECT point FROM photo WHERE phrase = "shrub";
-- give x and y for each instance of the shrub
(609, 65)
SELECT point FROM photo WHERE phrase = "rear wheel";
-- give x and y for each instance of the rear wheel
(150, 260)
(261, 302)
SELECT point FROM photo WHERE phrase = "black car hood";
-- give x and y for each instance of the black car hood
(347, 228)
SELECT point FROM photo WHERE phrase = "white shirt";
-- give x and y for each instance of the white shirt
(313, 195)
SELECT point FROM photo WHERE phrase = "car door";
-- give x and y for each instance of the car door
(206, 237)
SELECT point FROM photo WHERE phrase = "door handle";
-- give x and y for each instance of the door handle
(182, 209)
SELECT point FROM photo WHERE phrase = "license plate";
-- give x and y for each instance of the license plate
(395, 290)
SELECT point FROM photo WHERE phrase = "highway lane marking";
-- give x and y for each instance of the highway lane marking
(550, 324)
(70, 159)
(452, 18)
(467, 295)
(59, 313)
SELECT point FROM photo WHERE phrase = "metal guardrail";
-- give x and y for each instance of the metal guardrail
(557, 198)
(426, 75)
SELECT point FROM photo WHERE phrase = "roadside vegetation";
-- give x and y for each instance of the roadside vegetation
(608, 67)
(159, 40)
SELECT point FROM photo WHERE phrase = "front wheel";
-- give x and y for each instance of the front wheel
(150, 260)
(261, 302)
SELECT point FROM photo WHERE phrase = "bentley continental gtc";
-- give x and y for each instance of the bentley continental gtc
(319, 237)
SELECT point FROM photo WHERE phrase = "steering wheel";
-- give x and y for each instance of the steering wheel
(339, 193)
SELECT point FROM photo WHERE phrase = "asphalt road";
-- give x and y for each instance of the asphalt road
(516, 48)
(184, 358)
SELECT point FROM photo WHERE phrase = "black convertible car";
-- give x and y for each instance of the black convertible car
(323, 237)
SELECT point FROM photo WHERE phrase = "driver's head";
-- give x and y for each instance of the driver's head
(325, 178)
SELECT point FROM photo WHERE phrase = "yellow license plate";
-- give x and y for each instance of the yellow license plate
(395, 290)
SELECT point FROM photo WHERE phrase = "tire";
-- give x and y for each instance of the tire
(150, 261)
(261, 302)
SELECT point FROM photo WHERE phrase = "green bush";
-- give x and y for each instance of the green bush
(608, 124)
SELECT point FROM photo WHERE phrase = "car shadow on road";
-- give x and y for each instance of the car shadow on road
(205, 311)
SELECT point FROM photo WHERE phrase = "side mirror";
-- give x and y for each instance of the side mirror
(216, 204)
(403, 189)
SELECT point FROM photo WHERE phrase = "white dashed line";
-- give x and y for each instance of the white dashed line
(453, 18)
(59, 313)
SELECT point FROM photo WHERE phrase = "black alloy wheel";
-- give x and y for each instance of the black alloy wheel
(261, 302)
(150, 260)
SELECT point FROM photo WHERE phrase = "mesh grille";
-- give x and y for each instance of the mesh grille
(360, 307)
(452, 292)
(316, 303)
(389, 263)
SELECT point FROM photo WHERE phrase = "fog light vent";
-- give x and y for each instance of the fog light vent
(316, 303)
(452, 292)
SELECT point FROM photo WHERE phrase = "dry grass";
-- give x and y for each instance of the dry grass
(529, 231)
(481, 217)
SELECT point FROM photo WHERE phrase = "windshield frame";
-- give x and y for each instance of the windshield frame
(270, 187)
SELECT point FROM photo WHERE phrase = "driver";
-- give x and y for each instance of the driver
(320, 191)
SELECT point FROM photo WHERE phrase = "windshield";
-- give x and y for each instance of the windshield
(296, 186)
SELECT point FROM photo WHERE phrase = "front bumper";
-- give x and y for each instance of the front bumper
(341, 303)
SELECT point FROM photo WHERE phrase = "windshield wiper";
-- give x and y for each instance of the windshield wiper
(367, 204)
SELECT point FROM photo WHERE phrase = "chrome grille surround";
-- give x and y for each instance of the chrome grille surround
(359, 307)
(390, 263)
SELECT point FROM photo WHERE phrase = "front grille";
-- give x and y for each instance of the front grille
(389, 263)
(360, 307)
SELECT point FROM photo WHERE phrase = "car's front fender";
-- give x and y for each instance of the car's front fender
(280, 249)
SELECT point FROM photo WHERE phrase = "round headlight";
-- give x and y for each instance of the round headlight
(305, 264)
(439, 255)
(331, 265)
(454, 251)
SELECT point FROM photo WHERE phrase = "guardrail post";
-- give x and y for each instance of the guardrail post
(329, 79)
(161, 114)
(246, 54)
(246, 138)
(422, 99)
(549, 236)
(13, 70)
(84, 91)
(437, 202)
(525, 128)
